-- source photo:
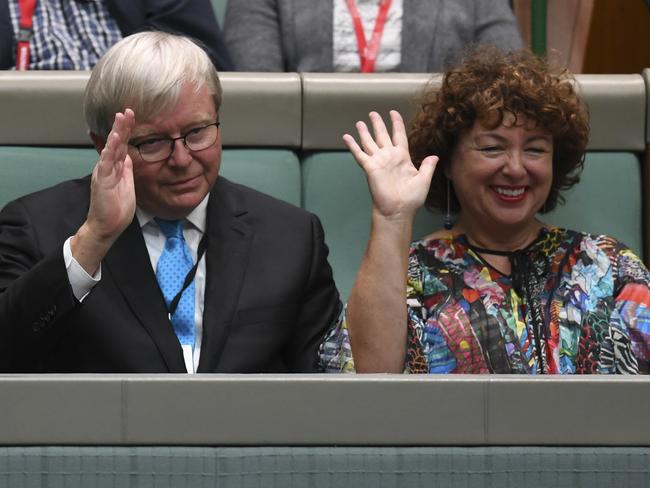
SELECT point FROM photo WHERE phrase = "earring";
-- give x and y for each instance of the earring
(448, 222)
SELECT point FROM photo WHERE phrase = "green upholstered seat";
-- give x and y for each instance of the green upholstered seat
(608, 199)
(25, 169)
(275, 172)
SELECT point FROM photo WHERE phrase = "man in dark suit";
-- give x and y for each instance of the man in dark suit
(80, 263)
(88, 25)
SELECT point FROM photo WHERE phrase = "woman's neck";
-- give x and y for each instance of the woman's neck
(506, 238)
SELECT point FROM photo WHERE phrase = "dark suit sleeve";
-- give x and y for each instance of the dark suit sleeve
(193, 18)
(319, 308)
(34, 292)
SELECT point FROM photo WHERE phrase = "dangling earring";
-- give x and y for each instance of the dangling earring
(449, 222)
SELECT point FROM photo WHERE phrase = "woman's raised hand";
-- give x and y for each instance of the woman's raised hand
(397, 187)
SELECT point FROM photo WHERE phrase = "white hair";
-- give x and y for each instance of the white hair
(145, 72)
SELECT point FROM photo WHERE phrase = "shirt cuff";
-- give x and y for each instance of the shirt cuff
(80, 281)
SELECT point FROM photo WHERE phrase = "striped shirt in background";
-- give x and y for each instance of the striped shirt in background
(346, 53)
(68, 34)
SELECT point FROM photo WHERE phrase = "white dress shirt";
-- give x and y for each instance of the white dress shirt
(345, 49)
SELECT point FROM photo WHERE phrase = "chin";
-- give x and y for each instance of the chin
(515, 221)
(187, 200)
(177, 209)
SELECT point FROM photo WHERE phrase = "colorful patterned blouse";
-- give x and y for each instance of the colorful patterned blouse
(579, 302)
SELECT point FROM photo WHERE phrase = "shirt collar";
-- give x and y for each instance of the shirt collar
(197, 217)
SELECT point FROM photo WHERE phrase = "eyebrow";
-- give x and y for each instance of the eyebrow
(542, 137)
(206, 120)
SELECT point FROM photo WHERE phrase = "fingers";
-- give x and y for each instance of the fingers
(379, 128)
(116, 149)
(399, 130)
(365, 138)
(427, 168)
(360, 156)
(379, 147)
(381, 137)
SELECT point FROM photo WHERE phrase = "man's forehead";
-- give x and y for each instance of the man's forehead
(191, 105)
(162, 125)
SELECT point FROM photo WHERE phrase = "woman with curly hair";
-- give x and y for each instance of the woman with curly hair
(497, 290)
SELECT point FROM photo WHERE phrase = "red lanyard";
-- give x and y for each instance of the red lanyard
(24, 33)
(368, 51)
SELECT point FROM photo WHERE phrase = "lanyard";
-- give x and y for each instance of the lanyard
(26, 8)
(368, 51)
(203, 244)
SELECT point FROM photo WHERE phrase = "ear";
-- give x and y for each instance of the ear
(98, 141)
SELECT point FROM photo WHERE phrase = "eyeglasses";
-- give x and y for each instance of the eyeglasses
(160, 148)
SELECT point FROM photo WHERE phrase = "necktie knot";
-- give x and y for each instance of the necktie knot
(171, 228)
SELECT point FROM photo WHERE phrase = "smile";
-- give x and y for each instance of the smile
(509, 192)
(185, 182)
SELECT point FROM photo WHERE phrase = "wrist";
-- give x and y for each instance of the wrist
(399, 220)
(89, 248)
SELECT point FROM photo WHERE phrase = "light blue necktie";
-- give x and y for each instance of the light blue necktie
(173, 266)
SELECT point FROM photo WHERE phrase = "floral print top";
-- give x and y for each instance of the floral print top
(575, 303)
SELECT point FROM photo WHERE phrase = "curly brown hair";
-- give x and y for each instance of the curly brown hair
(484, 87)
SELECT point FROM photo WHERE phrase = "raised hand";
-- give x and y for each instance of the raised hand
(397, 187)
(112, 197)
(112, 192)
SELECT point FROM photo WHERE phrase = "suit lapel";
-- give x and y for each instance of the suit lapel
(229, 239)
(140, 291)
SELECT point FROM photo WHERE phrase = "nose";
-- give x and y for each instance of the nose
(514, 164)
(180, 155)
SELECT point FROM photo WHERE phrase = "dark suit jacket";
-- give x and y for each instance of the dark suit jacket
(194, 18)
(269, 294)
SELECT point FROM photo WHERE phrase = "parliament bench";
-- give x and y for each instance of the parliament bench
(470, 431)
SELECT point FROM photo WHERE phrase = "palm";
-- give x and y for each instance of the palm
(397, 187)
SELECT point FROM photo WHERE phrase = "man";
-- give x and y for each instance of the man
(74, 34)
(86, 266)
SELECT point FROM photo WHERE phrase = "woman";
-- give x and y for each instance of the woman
(362, 35)
(497, 290)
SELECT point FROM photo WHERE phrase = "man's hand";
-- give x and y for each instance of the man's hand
(397, 187)
(112, 197)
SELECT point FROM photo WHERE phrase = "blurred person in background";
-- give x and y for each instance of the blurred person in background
(408, 36)
(74, 34)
